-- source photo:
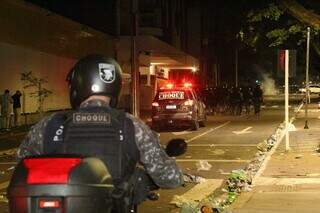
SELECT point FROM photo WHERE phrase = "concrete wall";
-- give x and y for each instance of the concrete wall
(24, 24)
(34, 39)
(14, 60)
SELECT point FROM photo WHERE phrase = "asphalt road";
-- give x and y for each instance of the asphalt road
(225, 143)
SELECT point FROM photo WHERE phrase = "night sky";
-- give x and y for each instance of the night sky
(228, 16)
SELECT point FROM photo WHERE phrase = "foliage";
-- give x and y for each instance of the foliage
(29, 80)
(272, 12)
(271, 26)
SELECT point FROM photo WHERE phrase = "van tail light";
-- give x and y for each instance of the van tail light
(187, 85)
(155, 104)
(49, 204)
(188, 103)
(169, 85)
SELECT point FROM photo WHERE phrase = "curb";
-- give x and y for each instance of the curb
(277, 137)
(241, 180)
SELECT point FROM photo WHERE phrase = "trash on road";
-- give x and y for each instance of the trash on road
(263, 147)
(238, 181)
(218, 152)
(203, 165)
(208, 209)
(188, 207)
(10, 152)
(11, 168)
(3, 198)
(189, 178)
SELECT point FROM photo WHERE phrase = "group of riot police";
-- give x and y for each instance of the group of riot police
(234, 100)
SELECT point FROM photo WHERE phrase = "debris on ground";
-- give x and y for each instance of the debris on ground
(189, 208)
(3, 198)
(203, 165)
(207, 209)
(11, 168)
(189, 178)
(218, 152)
(10, 152)
(238, 181)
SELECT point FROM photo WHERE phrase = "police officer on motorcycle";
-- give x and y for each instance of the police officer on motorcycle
(96, 128)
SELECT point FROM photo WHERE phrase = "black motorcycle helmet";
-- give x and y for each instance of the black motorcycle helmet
(94, 75)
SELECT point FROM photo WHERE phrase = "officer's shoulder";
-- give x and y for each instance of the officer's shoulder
(55, 115)
(134, 119)
(43, 122)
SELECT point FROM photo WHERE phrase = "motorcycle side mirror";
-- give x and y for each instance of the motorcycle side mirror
(176, 147)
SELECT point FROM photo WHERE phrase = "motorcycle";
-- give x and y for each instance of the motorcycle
(60, 184)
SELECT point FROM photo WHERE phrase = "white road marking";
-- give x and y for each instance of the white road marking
(225, 173)
(213, 160)
(244, 131)
(221, 145)
(208, 131)
(268, 181)
(181, 133)
(7, 152)
(199, 191)
(313, 110)
(4, 185)
(13, 135)
(7, 163)
(299, 108)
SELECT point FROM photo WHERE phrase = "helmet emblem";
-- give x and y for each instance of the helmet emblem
(107, 72)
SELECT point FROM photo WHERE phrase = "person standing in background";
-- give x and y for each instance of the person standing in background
(16, 108)
(257, 99)
(6, 109)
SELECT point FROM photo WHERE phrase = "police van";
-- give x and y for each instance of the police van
(175, 106)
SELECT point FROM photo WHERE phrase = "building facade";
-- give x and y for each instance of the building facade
(42, 37)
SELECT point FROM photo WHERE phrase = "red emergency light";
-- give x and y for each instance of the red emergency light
(187, 85)
(169, 85)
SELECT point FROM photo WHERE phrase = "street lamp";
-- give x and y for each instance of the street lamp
(307, 79)
(134, 63)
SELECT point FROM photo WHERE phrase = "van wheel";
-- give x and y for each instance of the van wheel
(202, 121)
(195, 125)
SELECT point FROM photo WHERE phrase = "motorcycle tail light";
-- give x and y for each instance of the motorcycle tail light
(52, 204)
(49, 170)
(188, 103)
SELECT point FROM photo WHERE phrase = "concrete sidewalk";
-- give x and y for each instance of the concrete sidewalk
(291, 180)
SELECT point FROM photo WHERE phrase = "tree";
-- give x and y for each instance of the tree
(41, 93)
(306, 17)
(280, 24)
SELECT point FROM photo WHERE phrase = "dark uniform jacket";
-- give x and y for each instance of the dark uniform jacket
(162, 169)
